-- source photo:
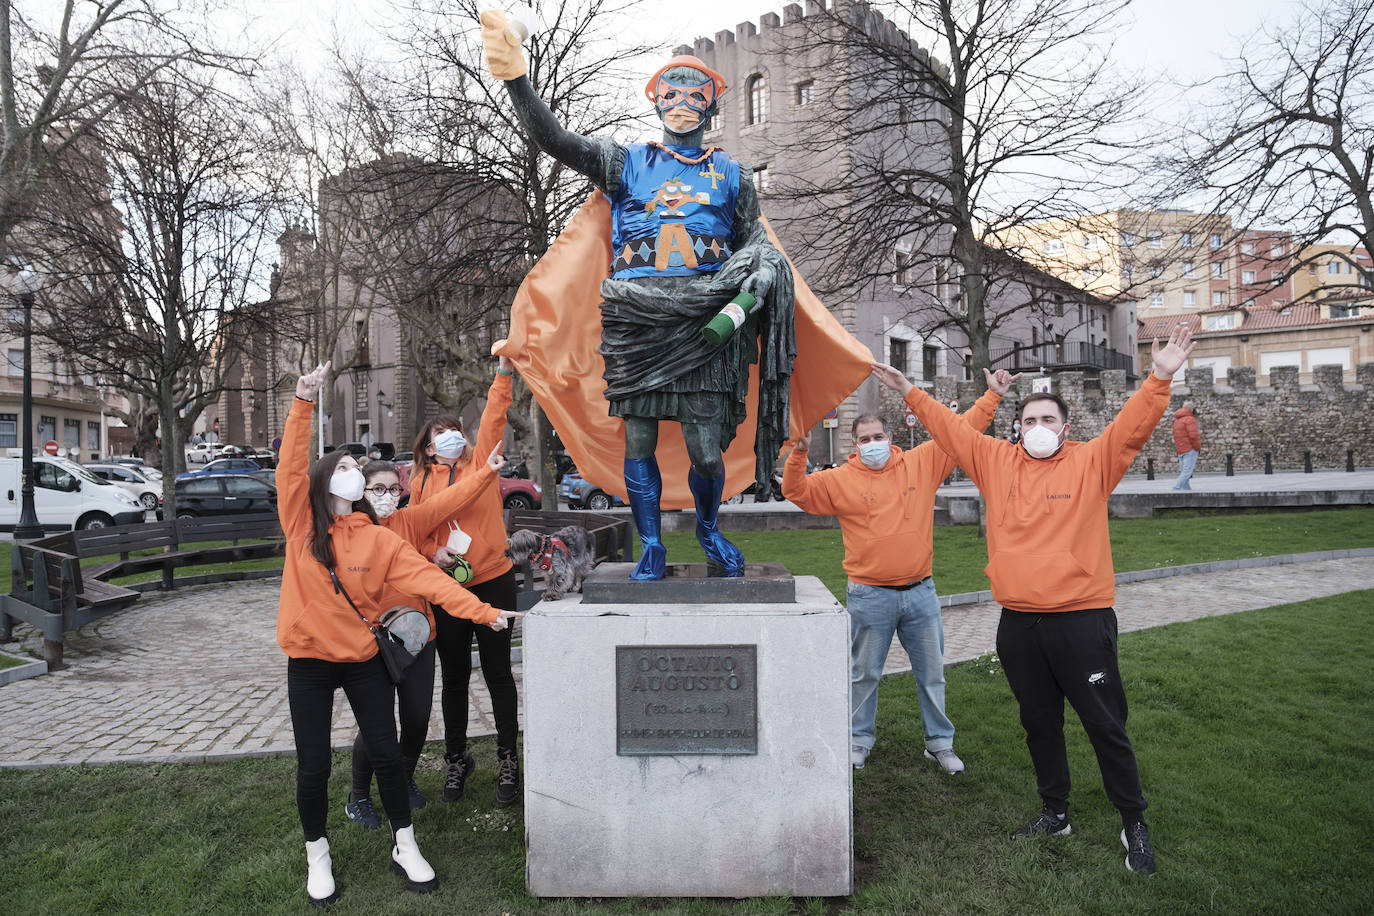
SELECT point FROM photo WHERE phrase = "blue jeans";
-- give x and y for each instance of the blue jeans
(1186, 462)
(875, 613)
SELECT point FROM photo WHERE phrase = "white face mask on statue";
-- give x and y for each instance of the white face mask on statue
(348, 484)
(449, 444)
(1040, 442)
(875, 454)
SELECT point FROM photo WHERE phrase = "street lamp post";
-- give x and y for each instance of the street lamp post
(25, 286)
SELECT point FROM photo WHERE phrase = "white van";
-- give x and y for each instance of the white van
(65, 496)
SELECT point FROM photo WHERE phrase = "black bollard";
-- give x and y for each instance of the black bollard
(1350, 459)
(1230, 465)
(1268, 462)
(1149, 469)
(1307, 462)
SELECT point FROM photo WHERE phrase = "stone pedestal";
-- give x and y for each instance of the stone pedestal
(649, 773)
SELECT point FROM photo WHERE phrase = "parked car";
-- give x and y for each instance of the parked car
(233, 451)
(582, 494)
(127, 459)
(201, 452)
(66, 496)
(145, 489)
(223, 466)
(223, 494)
(265, 457)
(517, 493)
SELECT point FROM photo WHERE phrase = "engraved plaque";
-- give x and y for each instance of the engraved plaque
(686, 700)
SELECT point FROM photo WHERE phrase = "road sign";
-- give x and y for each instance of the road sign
(834, 414)
(1040, 385)
(910, 420)
(50, 447)
(276, 444)
(829, 423)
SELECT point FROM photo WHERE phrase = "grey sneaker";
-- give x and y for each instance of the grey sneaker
(948, 761)
(1140, 855)
(458, 768)
(1046, 823)
(858, 755)
(362, 812)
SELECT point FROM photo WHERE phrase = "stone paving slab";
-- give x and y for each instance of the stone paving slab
(197, 675)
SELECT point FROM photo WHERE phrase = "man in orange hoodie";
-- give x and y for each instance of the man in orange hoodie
(1187, 442)
(884, 499)
(1050, 565)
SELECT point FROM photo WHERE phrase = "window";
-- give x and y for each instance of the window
(897, 354)
(1156, 300)
(1127, 239)
(1128, 270)
(51, 477)
(1221, 322)
(757, 91)
(71, 433)
(1093, 242)
(1054, 246)
(1311, 270)
(1187, 240)
(1333, 267)
(1276, 249)
(903, 273)
(360, 335)
(47, 428)
(1058, 305)
(92, 435)
(1278, 358)
(1218, 270)
(16, 359)
(762, 179)
(1187, 268)
(9, 430)
(1247, 276)
(1216, 240)
(1189, 299)
(928, 362)
(805, 92)
(203, 486)
(1327, 356)
(1156, 240)
(715, 122)
(1344, 311)
(1281, 302)
(1218, 298)
(1156, 271)
(1247, 247)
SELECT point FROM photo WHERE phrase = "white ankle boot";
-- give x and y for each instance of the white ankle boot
(407, 862)
(319, 882)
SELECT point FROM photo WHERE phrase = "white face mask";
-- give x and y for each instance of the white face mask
(348, 484)
(875, 454)
(449, 444)
(383, 505)
(1040, 442)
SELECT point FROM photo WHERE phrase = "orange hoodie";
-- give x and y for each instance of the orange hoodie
(885, 515)
(1048, 548)
(481, 519)
(1186, 438)
(313, 620)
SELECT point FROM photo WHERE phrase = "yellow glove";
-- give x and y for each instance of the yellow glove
(504, 60)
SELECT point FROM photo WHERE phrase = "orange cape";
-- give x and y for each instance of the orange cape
(555, 329)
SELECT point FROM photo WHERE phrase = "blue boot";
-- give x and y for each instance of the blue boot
(706, 493)
(644, 487)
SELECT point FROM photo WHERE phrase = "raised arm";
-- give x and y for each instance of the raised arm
(492, 430)
(977, 417)
(293, 470)
(806, 491)
(1125, 436)
(955, 437)
(417, 521)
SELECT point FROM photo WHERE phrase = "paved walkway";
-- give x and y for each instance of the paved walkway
(196, 675)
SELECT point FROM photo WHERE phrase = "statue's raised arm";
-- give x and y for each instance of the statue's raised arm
(688, 246)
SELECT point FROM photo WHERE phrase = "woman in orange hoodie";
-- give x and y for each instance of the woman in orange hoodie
(415, 694)
(474, 538)
(341, 567)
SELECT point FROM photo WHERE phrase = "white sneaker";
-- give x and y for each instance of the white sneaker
(407, 862)
(858, 756)
(948, 761)
(319, 881)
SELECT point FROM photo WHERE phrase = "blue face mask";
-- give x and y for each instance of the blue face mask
(449, 444)
(875, 454)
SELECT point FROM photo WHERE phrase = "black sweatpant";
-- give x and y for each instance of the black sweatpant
(455, 636)
(415, 696)
(310, 686)
(1071, 655)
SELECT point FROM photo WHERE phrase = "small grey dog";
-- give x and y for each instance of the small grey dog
(565, 556)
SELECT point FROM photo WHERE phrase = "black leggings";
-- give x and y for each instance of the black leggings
(416, 697)
(310, 686)
(493, 648)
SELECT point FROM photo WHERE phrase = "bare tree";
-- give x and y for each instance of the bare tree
(1288, 138)
(193, 190)
(1012, 117)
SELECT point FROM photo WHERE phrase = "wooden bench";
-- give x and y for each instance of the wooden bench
(49, 592)
(611, 541)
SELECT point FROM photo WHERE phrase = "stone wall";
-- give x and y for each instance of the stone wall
(1284, 419)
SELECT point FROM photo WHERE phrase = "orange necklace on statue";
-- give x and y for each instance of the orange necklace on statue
(683, 159)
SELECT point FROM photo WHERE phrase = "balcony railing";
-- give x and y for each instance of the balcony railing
(1071, 354)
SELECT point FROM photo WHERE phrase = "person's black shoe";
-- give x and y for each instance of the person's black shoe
(507, 776)
(1046, 823)
(1140, 855)
(360, 811)
(417, 798)
(460, 767)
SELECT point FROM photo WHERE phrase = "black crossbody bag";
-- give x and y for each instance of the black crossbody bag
(401, 633)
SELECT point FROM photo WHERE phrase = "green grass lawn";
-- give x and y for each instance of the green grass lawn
(1137, 543)
(9, 661)
(1255, 734)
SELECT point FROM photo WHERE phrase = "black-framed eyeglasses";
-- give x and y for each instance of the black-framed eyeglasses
(379, 490)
